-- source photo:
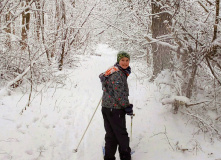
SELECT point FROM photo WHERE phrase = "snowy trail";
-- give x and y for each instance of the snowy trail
(51, 128)
(83, 101)
(155, 129)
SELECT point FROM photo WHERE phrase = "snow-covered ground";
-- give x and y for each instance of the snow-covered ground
(51, 128)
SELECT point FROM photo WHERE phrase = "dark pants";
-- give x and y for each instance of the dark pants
(116, 134)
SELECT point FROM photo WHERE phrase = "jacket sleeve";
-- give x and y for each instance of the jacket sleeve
(120, 90)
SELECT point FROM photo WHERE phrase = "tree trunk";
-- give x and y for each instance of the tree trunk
(64, 36)
(215, 30)
(216, 20)
(161, 54)
(25, 25)
(8, 30)
(73, 3)
(191, 81)
(42, 26)
(38, 18)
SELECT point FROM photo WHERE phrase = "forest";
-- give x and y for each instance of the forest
(179, 40)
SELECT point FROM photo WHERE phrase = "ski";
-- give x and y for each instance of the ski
(132, 152)
(103, 150)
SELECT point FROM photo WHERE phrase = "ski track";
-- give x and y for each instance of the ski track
(53, 130)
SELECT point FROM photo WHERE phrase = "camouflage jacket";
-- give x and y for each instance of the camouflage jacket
(115, 88)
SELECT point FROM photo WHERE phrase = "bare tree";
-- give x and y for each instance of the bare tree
(64, 34)
(38, 18)
(25, 23)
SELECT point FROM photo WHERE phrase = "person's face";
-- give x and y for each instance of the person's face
(124, 62)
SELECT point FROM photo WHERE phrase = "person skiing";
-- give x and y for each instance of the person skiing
(115, 105)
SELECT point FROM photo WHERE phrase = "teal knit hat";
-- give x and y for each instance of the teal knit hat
(122, 54)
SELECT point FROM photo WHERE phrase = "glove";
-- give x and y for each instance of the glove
(129, 109)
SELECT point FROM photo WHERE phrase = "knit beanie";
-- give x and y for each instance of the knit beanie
(122, 54)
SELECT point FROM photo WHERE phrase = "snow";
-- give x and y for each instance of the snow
(171, 100)
(51, 128)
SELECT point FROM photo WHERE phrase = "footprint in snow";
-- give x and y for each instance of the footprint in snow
(29, 152)
(35, 119)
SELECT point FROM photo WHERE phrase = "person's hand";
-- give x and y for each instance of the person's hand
(129, 109)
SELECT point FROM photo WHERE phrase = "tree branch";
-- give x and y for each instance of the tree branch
(204, 122)
(217, 63)
(83, 23)
(1, 9)
(204, 7)
(209, 2)
(111, 25)
(173, 48)
(210, 67)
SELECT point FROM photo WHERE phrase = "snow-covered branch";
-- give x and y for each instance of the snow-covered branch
(182, 100)
(203, 6)
(3, 6)
(16, 16)
(172, 47)
(210, 126)
(214, 74)
(5, 90)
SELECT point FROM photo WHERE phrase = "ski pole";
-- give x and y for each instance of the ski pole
(75, 150)
(131, 126)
